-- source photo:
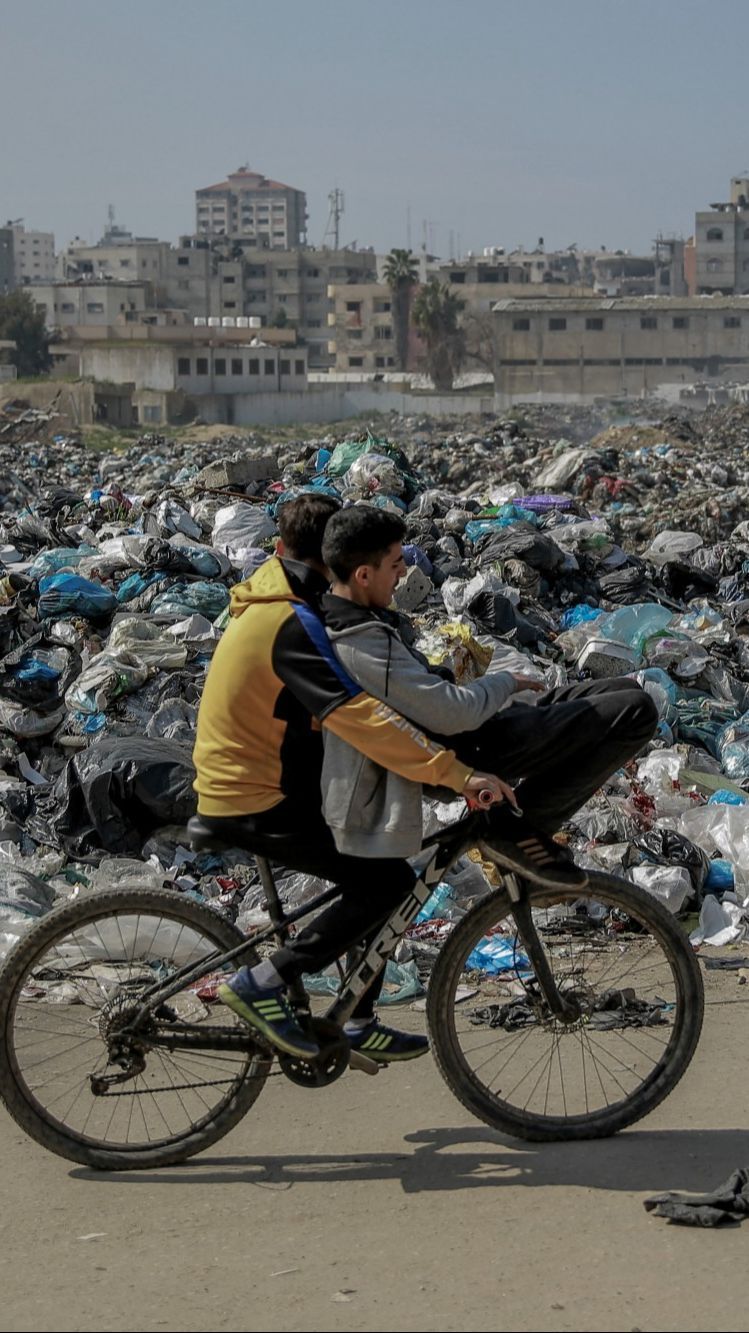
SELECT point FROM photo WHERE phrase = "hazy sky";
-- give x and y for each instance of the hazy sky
(594, 121)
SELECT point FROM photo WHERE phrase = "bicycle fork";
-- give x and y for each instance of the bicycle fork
(567, 1011)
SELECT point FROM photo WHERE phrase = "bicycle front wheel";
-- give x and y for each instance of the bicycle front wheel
(627, 967)
(70, 1074)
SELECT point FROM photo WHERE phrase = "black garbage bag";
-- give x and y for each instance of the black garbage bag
(667, 847)
(496, 615)
(520, 542)
(684, 582)
(115, 793)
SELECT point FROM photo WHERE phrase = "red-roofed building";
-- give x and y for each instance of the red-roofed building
(248, 204)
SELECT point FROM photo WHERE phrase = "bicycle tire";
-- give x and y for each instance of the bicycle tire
(16, 1096)
(519, 1123)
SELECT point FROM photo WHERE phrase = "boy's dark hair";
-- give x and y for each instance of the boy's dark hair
(359, 536)
(302, 523)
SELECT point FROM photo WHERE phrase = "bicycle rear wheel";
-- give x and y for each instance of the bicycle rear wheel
(68, 986)
(615, 952)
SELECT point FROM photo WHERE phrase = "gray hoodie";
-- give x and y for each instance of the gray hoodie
(373, 812)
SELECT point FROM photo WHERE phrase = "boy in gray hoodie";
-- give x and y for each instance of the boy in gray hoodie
(559, 752)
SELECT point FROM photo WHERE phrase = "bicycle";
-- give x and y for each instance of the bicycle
(113, 1055)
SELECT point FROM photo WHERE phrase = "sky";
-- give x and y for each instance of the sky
(489, 122)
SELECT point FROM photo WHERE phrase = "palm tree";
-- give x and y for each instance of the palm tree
(435, 315)
(401, 274)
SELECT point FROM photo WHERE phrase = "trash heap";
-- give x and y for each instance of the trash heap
(613, 549)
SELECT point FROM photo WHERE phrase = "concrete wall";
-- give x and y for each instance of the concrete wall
(333, 404)
(151, 367)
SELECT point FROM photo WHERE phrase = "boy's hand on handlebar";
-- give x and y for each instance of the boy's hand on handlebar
(487, 782)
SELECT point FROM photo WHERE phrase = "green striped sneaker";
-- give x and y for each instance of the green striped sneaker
(387, 1044)
(269, 1013)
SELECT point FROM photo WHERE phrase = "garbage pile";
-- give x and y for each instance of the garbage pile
(623, 553)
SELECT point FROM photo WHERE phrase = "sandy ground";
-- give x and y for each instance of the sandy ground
(380, 1204)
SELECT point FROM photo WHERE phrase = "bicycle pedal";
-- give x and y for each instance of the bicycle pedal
(363, 1063)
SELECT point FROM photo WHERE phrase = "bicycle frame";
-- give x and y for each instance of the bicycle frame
(447, 846)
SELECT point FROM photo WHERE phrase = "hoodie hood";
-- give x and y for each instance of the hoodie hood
(278, 581)
(343, 618)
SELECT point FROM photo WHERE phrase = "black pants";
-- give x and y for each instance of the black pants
(563, 749)
(297, 836)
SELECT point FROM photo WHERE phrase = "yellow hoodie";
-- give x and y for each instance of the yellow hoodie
(274, 682)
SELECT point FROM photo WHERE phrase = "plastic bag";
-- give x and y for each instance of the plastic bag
(238, 528)
(22, 892)
(110, 675)
(497, 953)
(26, 722)
(720, 923)
(175, 720)
(184, 599)
(61, 557)
(671, 885)
(733, 748)
(71, 595)
(148, 642)
(580, 615)
(671, 545)
(453, 645)
(371, 474)
(720, 876)
(634, 624)
(173, 517)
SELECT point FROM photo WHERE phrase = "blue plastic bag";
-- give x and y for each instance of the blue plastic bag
(497, 953)
(580, 615)
(413, 555)
(71, 595)
(182, 599)
(720, 877)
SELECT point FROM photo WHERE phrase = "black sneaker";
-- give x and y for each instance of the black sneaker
(514, 844)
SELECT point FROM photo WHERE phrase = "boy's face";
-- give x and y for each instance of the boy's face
(377, 582)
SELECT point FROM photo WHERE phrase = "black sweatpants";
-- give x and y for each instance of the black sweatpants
(560, 751)
(298, 837)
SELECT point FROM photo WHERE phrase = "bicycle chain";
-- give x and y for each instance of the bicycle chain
(187, 1087)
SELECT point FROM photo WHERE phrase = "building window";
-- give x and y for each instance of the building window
(380, 362)
(314, 323)
(219, 365)
(270, 367)
(382, 307)
(229, 277)
(313, 273)
(521, 325)
(383, 333)
(356, 334)
(183, 365)
(285, 367)
(124, 263)
(201, 365)
(256, 298)
(356, 361)
(152, 414)
(282, 273)
(67, 307)
(353, 307)
(680, 322)
(230, 305)
(714, 265)
(183, 260)
(96, 308)
(594, 324)
(457, 277)
(254, 366)
(714, 234)
(236, 365)
(648, 322)
(299, 367)
(732, 322)
(557, 325)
